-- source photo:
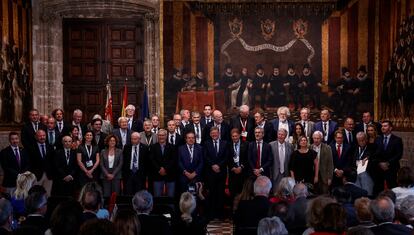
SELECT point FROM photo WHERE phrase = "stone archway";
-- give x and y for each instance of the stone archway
(47, 16)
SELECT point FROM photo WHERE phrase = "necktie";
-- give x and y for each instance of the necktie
(154, 130)
(324, 128)
(129, 123)
(43, 150)
(162, 149)
(282, 158)
(16, 152)
(197, 131)
(60, 126)
(258, 156)
(51, 138)
(365, 127)
(171, 139)
(338, 150)
(215, 146)
(36, 126)
(135, 160)
(304, 126)
(349, 137)
(385, 142)
(67, 156)
(191, 153)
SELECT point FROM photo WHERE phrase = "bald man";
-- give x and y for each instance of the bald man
(218, 122)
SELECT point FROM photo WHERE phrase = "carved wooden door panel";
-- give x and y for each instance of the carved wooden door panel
(94, 49)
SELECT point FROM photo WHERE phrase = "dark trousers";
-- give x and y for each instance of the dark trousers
(133, 183)
(216, 185)
(381, 178)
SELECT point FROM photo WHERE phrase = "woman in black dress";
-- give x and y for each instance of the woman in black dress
(88, 159)
(303, 163)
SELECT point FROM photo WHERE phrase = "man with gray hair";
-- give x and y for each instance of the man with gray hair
(297, 210)
(282, 122)
(382, 208)
(147, 136)
(6, 216)
(195, 126)
(325, 161)
(362, 159)
(250, 212)
(76, 121)
(122, 133)
(150, 224)
(407, 208)
(271, 226)
(244, 123)
(134, 169)
(281, 150)
(134, 124)
(218, 122)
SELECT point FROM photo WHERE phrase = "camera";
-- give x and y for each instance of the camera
(192, 188)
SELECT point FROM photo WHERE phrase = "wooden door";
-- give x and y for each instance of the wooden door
(94, 49)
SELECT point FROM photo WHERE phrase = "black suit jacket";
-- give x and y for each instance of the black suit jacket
(211, 157)
(57, 141)
(203, 121)
(117, 133)
(344, 160)
(101, 142)
(142, 162)
(64, 169)
(65, 128)
(36, 224)
(392, 154)
(191, 128)
(266, 159)
(394, 229)
(355, 191)
(360, 127)
(136, 125)
(39, 165)
(154, 225)
(178, 140)
(11, 167)
(28, 134)
(269, 132)
(224, 131)
(242, 158)
(235, 122)
(353, 143)
(250, 212)
(168, 160)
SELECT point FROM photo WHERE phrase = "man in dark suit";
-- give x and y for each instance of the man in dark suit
(179, 128)
(122, 133)
(349, 133)
(341, 154)
(134, 124)
(207, 115)
(383, 211)
(190, 162)
(308, 125)
(173, 138)
(77, 121)
(250, 212)
(387, 158)
(222, 126)
(53, 136)
(98, 134)
(164, 165)
(185, 118)
(282, 121)
(215, 156)
(237, 163)
(269, 132)
(61, 126)
(14, 160)
(297, 210)
(366, 120)
(195, 126)
(155, 120)
(349, 178)
(36, 207)
(135, 167)
(41, 161)
(326, 126)
(29, 129)
(245, 123)
(66, 167)
(260, 155)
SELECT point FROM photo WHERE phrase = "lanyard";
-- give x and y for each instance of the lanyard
(361, 153)
(89, 153)
(243, 124)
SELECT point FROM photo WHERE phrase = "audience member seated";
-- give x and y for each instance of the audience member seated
(250, 212)
(297, 210)
(98, 227)
(284, 191)
(6, 216)
(94, 187)
(90, 199)
(314, 212)
(189, 222)
(66, 219)
(271, 226)
(333, 220)
(280, 210)
(246, 193)
(349, 178)
(150, 224)
(405, 181)
(363, 214)
(36, 207)
(126, 222)
(343, 197)
(382, 209)
(407, 209)
(24, 182)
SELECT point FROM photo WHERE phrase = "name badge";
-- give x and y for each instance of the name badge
(89, 163)
(244, 134)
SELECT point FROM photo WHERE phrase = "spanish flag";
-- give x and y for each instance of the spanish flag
(124, 101)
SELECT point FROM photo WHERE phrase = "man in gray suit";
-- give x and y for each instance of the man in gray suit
(281, 152)
(308, 125)
(147, 136)
(325, 160)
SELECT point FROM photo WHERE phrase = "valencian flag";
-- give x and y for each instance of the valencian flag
(145, 108)
(108, 105)
(124, 100)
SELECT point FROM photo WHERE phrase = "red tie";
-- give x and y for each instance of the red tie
(338, 150)
(258, 156)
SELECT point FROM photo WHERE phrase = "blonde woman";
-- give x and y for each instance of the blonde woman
(187, 223)
(23, 183)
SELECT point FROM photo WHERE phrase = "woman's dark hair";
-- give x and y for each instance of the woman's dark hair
(405, 177)
(126, 222)
(279, 209)
(108, 138)
(66, 218)
(93, 137)
(73, 127)
(333, 219)
(98, 227)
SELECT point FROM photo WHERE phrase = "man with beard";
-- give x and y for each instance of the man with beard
(240, 92)
(226, 80)
(293, 79)
(259, 86)
(311, 86)
(276, 89)
(365, 86)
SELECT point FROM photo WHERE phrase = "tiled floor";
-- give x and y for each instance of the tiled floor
(216, 227)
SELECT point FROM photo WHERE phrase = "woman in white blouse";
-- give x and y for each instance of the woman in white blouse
(111, 166)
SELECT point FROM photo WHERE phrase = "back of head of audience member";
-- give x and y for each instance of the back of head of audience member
(382, 209)
(142, 202)
(407, 208)
(285, 187)
(98, 227)
(405, 177)
(247, 192)
(390, 194)
(300, 190)
(36, 200)
(362, 209)
(23, 183)
(91, 197)
(350, 175)
(341, 195)
(66, 218)
(126, 222)
(360, 231)
(279, 209)
(333, 219)
(187, 206)
(315, 208)
(262, 186)
(6, 213)
(271, 226)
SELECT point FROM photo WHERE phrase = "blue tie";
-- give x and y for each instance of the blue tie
(43, 151)
(385, 142)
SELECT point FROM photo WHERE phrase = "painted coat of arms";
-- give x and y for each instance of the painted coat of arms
(236, 27)
(300, 28)
(268, 29)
